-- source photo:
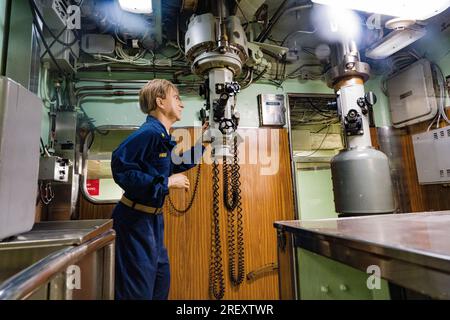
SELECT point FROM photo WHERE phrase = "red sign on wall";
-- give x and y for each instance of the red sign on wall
(93, 187)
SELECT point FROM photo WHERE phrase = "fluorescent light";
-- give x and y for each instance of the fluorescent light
(411, 9)
(393, 42)
(137, 6)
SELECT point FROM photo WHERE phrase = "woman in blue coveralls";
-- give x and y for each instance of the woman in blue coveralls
(142, 166)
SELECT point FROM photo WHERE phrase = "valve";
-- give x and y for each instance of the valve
(353, 123)
(366, 102)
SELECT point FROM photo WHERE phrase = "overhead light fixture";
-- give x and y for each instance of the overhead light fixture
(411, 9)
(137, 6)
(395, 41)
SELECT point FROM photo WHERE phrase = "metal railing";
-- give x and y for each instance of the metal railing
(25, 283)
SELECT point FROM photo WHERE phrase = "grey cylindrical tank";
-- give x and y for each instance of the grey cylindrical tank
(362, 182)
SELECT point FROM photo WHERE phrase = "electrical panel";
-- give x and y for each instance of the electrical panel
(412, 98)
(65, 49)
(65, 56)
(432, 154)
(55, 13)
(272, 110)
(54, 168)
(98, 44)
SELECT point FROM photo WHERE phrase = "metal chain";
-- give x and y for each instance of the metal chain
(178, 212)
(216, 277)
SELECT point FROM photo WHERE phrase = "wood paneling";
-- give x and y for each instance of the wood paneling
(411, 196)
(265, 199)
(89, 210)
(423, 197)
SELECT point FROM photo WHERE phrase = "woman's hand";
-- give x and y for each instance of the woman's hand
(178, 181)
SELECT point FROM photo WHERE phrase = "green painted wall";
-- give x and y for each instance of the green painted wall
(3, 29)
(381, 111)
(324, 279)
(126, 111)
(18, 64)
(315, 194)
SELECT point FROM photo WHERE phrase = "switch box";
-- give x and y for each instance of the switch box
(412, 98)
(54, 168)
(272, 110)
(432, 155)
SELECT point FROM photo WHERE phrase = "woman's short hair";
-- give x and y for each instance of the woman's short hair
(156, 88)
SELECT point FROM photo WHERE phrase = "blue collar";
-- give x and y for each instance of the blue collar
(156, 121)
(167, 138)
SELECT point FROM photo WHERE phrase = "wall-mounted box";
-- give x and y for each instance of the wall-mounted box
(432, 154)
(412, 98)
(272, 109)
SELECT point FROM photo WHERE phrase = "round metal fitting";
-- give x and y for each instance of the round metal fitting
(210, 60)
(360, 69)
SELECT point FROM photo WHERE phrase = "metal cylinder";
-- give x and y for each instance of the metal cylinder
(362, 182)
(347, 97)
(203, 41)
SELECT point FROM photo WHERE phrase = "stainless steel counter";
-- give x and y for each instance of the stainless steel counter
(58, 233)
(411, 250)
(34, 265)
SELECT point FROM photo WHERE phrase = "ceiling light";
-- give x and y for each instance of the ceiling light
(395, 41)
(137, 6)
(411, 9)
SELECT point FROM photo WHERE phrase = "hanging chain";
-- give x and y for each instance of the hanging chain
(179, 212)
(216, 278)
(233, 200)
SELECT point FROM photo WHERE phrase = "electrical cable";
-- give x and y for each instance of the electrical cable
(38, 29)
(35, 11)
(242, 12)
(233, 203)
(177, 211)
(321, 143)
(319, 111)
(216, 276)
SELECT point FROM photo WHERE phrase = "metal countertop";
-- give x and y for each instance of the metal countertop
(412, 249)
(73, 232)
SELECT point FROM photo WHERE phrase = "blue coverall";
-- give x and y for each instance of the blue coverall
(141, 166)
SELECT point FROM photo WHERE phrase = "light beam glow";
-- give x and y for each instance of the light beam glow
(137, 6)
(409, 9)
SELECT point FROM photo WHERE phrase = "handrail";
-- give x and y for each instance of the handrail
(26, 282)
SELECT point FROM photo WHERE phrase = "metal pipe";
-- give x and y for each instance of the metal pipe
(165, 70)
(26, 282)
(99, 94)
(295, 32)
(109, 80)
(105, 87)
(265, 33)
(119, 81)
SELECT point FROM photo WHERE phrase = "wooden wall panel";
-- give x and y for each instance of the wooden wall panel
(89, 210)
(424, 197)
(265, 199)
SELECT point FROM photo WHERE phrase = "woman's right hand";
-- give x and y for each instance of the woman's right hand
(178, 181)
